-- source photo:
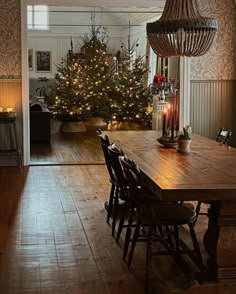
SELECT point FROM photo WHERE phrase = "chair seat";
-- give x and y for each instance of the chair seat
(188, 205)
(167, 214)
(164, 212)
(146, 195)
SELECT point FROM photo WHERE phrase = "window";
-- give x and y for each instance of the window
(152, 65)
(37, 17)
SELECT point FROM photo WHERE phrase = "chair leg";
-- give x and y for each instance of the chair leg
(128, 233)
(115, 208)
(176, 234)
(121, 224)
(110, 204)
(170, 241)
(160, 228)
(197, 210)
(196, 247)
(134, 241)
(148, 254)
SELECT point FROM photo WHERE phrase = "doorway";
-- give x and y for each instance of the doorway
(25, 73)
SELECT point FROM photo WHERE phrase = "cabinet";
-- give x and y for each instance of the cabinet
(8, 120)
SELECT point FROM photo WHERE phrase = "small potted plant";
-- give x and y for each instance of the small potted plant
(184, 139)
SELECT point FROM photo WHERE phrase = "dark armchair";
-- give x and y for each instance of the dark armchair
(40, 127)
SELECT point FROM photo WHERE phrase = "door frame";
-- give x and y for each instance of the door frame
(184, 62)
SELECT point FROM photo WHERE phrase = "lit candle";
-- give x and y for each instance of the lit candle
(9, 109)
(172, 122)
(164, 123)
(177, 113)
(168, 116)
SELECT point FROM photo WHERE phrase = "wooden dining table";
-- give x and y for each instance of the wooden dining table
(207, 173)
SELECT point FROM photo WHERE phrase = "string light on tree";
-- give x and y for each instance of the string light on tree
(70, 105)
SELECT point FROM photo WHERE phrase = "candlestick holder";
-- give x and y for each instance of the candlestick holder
(167, 141)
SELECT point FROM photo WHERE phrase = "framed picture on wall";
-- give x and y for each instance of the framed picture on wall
(30, 59)
(43, 61)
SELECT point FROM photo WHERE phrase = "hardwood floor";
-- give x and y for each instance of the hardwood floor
(54, 238)
(68, 148)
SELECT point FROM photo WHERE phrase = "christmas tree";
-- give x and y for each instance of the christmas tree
(130, 96)
(70, 103)
(83, 88)
(96, 86)
(97, 71)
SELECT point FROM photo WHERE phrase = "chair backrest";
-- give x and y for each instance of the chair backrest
(99, 131)
(114, 153)
(132, 174)
(224, 136)
(137, 191)
(105, 142)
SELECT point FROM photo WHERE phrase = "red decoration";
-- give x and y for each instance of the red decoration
(158, 79)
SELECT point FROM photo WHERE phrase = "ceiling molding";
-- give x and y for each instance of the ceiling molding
(100, 3)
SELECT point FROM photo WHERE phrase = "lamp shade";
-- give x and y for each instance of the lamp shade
(181, 30)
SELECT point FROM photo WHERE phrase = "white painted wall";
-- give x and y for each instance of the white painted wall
(59, 47)
(77, 21)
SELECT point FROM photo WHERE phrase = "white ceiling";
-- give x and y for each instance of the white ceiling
(114, 16)
(69, 19)
(100, 3)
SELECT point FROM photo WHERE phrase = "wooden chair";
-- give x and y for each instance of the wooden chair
(152, 214)
(114, 199)
(121, 198)
(223, 137)
(105, 142)
(126, 210)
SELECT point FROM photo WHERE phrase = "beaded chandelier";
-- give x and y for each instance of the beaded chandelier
(181, 30)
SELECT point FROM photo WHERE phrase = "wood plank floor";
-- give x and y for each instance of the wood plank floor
(54, 238)
(67, 148)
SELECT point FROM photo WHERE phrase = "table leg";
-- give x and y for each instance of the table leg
(220, 241)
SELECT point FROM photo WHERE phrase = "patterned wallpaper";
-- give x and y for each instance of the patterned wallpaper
(220, 62)
(10, 39)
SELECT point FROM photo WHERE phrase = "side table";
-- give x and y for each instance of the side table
(9, 118)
